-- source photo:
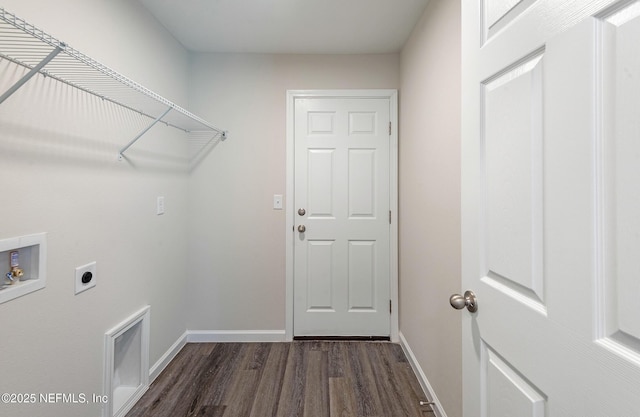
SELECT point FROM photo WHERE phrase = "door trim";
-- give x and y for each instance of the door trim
(392, 95)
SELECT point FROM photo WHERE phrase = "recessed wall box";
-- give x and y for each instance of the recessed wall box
(23, 265)
(126, 363)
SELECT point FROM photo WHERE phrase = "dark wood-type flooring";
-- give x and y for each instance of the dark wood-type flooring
(299, 379)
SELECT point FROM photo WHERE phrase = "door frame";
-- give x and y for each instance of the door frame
(292, 95)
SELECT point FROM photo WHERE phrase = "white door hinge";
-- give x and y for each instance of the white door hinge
(389, 216)
(389, 128)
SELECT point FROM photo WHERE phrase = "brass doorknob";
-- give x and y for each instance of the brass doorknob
(302, 229)
(468, 300)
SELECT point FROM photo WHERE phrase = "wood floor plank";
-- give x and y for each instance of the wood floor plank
(291, 402)
(386, 389)
(342, 403)
(225, 362)
(316, 399)
(258, 355)
(177, 377)
(241, 394)
(408, 379)
(208, 385)
(271, 382)
(235, 371)
(337, 363)
(299, 379)
(368, 402)
(343, 391)
(395, 394)
(212, 411)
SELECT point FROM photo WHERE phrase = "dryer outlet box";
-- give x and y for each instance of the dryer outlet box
(85, 277)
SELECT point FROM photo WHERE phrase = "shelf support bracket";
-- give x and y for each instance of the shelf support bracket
(145, 130)
(30, 74)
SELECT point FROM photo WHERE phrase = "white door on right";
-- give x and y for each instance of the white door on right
(551, 208)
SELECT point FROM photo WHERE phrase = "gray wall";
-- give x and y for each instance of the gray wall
(429, 219)
(237, 240)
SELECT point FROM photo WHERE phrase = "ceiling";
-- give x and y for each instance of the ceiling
(289, 26)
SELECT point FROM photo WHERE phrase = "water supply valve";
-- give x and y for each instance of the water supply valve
(16, 272)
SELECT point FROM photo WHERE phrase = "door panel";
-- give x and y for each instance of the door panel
(620, 316)
(362, 275)
(507, 392)
(500, 13)
(319, 277)
(321, 180)
(342, 180)
(551, 229)
(513, 178)
(363, 123)
(321, 123)
(362, 183)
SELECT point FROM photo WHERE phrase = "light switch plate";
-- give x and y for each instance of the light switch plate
(277, 201)
(80, 271)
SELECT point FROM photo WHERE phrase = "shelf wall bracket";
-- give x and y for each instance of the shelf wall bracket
(145, 130)
(30, 74)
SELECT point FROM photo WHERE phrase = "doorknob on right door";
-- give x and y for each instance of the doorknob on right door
(468, 300)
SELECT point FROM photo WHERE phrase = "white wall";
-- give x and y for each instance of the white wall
(429, 218)
(237, 241)
(59, 174)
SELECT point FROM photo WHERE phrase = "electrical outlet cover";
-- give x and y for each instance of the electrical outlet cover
(80, 271)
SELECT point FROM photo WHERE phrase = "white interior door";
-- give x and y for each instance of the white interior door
(551, 208)
(342, 228)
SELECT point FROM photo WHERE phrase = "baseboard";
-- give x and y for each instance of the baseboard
(247, 336)
(162, 363)
(422, 378)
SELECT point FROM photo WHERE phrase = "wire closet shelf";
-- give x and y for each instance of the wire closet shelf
(24, 44)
